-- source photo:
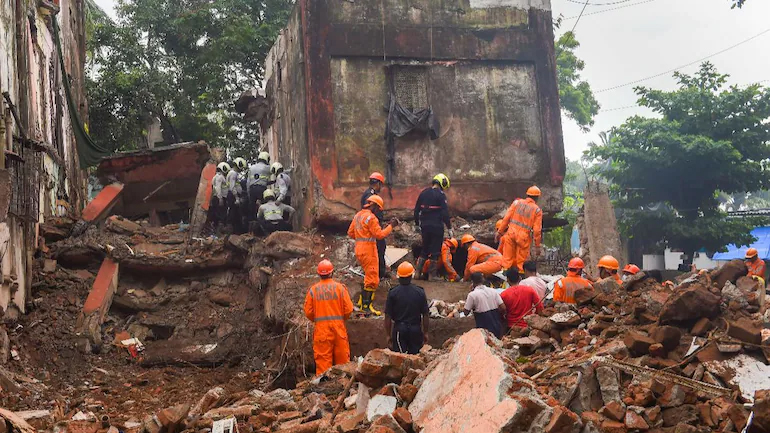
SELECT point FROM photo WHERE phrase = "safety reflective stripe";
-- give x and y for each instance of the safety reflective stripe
(328, 318)
(521, 224)
(366, 240)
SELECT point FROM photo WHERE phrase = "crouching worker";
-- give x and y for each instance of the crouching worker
(328, 305)
(407, 306)
(444, 261)
(274, 216)
(487, 306)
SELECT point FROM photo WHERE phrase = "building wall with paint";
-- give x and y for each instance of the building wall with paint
(45, 179)
(485, 68)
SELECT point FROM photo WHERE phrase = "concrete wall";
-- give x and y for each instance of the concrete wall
(490, 78)
(30, 73)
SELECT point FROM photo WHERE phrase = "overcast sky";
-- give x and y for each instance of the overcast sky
(634, 39)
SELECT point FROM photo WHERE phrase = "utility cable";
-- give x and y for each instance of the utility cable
(601, 4)
(578, 18)
(685, 65)
(609, 10)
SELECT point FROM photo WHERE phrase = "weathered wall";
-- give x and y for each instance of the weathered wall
(42, 181)
(489, 75)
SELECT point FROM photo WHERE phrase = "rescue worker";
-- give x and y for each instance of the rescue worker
(608, 268)
(273, 216)
(523, 224)
(236, 180)
(448, 248)
(520, 300)
(328, 305)
(431, 214)
(282, 184)
(366, 229)
(259, 177)
(481, 258)
(629, 270)
(487, 306)
(407, 306)
(564, 289)
(233, 198)
(219, 192)
(500, 242)
(755, 265)
(376, 181)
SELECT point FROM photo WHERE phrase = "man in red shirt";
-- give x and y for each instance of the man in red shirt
(520, 301)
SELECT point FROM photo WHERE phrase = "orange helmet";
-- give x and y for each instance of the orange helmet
(609, 262)
(576, 263)
(325, 268)
(751, 253)
(377, 176)
(631, 269)
(405, 270)
(376, 200)
(533, 191)
(452, 243)
(467, 239)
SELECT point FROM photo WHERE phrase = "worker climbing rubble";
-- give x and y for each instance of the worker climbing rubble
(274, 216)
(365, 229)
(376, 181)
(328, 305)
(629, 270)
(481, 258)
(445, 267)
(259, 177)
(282, 183)
(564, 289)
(406, 314)
(219, 194)
(608, 268)
(523, 225)
(431, 214)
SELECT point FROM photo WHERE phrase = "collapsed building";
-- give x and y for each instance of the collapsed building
(411, 89)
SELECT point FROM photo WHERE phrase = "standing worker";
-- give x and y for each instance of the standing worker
(445, 261)
(608, 268)
(486, 304)
(407, 306)
(523, 223)
(564, 289)
(328, 305)
(376, 181)
(282, 183)
(755, 265)
(236, 180)
(481, 258)
(273, 216)
(219, 192)
(259, 177)
(431, 214)
(365, 229)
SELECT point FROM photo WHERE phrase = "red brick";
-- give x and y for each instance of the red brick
(609, 426)
(100, 207)
(407, 392)
(701, 327)
(100, 298)
(635, 421)
(638, 344)
(613, 410)
(403, 418)
(563, 420)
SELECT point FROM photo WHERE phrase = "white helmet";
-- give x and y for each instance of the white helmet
(268, 194)
(223, 167)
(241, 163)
(276, 168)
(264, 157)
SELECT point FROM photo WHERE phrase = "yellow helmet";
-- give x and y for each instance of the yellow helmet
(241, 163)
(264, 157)
(268, 194)
(441, 180)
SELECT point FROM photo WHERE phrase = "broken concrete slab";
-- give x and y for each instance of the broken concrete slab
(287, 245)
(743, 372)
(99, 301)
(730, 271)
(500, 398)
(690, 304)
(746, 330)
(380, 405)
(100, 207)
(382, 366)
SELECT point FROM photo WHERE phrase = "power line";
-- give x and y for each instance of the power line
(685, 65)
(579, 16)
(609, 10)
(601, 4)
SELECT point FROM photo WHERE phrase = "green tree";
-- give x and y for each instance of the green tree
(182, 62)
(577, 99)
(668, 171)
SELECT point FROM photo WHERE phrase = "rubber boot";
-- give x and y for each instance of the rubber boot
(432, 270)
(418, 269)
(359, 302)
(368, 297)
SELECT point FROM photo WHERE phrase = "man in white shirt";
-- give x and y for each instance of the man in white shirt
(532, 280)
(487, 306)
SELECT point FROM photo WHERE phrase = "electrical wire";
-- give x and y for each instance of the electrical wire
(630, 83)
(579, 16)
(601, 4)
(609, 10)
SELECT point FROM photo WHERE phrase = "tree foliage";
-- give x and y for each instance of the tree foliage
(709, 137)
(182, 62)
(577, 99)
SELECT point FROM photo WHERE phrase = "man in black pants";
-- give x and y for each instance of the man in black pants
(431, 214)
(376, 181)
(407, 306)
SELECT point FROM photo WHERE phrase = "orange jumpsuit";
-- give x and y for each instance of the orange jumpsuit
(484, 259)
(756, 268)
(365, 229)
(445, 261)
(522, 224)
(328, 304)
(564, 289)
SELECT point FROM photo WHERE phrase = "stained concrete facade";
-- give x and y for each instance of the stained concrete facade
(46, 179)
(486, 69)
